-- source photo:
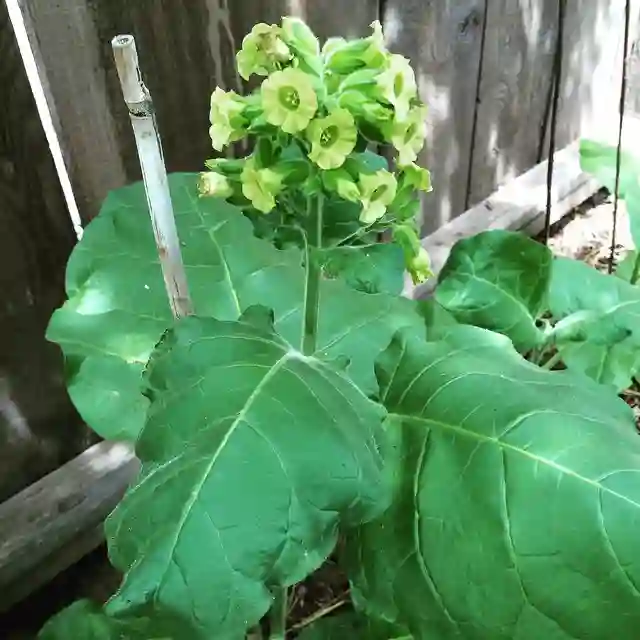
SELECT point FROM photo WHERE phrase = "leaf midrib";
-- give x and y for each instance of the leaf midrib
(214, 458)
(507, 447)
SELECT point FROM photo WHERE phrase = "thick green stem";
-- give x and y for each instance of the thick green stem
(278, 614)
(636, 269)
(314, 273)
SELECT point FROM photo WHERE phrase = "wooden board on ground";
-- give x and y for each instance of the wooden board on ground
(56, 521)
(36, 237)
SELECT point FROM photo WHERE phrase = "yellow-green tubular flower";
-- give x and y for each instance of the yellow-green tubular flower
(420, 267)
(262, 51)
(408, 136)
(289, 100)
(344, 58)
(260, 186)
(415, 177)
(416, 257)
(377, 191)
(332, 139)
(227, 123)
(215, 184)
(397, 85)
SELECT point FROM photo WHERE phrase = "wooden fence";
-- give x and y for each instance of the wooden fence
(485, 68)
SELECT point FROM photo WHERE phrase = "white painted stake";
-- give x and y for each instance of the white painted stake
(154, 173)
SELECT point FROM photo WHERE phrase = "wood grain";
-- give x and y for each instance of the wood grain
(514, 92)
(57, 520)
(35, 240)
(443, 41)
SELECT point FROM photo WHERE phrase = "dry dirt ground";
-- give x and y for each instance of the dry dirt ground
(584, 234)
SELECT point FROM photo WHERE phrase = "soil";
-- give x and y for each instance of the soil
(584, 234)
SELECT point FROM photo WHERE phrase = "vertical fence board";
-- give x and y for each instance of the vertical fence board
(443, 41)
(186, 48)
(514, 95)
(39, 429)
(592, 65)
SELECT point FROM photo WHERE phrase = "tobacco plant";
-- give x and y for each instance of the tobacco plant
(307, 409)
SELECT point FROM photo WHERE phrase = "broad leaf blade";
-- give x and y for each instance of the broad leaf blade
(377, 268)
(600, 160)
(352, 626)
(85, 620)
(252, 456)
(517, 499)
(118, 310)
(628, 266)
(497, 280)
(605, 344)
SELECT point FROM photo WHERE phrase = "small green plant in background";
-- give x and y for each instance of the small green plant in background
(307, 409)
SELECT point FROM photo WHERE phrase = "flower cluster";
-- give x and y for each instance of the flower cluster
(314, 113)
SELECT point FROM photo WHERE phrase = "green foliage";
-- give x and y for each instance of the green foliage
(353, 627)
(497, 280)
(117, 308)
(378, 268)
(251, 456)
(601, 160)
(517, 499)
(305, 402)
(598, 331)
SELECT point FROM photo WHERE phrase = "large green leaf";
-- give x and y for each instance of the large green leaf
(352, 626)
(497, 280)
(600, 330)
(517, 504)
(627, 268)
(600, 160)
(117, 308)
(85, 620)
(377, 268)
(252, 455)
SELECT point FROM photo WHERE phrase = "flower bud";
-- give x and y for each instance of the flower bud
(214, 184)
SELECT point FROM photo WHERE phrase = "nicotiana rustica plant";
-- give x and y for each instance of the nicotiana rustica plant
(307, 410)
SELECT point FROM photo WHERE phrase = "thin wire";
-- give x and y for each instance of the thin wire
(474, 125)
(623, 95)
(557, 70)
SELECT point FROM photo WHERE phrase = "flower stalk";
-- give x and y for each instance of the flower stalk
(315, 210)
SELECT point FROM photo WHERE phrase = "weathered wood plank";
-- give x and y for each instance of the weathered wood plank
(186, 48)
(443, 41)
(519, 205)
(514, 95)
(35, 240)
(592, 65)
(56, 521)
